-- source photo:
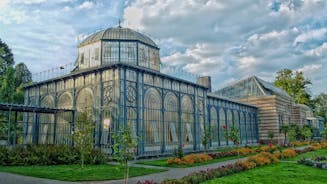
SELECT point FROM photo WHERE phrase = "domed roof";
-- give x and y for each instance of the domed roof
(117, 33)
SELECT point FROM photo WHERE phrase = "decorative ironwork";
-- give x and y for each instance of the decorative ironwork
(130, 94)
(108, 91)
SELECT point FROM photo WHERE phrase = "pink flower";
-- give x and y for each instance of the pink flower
(270, 145)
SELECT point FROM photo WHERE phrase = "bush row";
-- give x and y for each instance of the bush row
(46, 155)
(319, 162)
(190, 159)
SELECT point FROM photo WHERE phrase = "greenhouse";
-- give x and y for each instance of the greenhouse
(117, 79)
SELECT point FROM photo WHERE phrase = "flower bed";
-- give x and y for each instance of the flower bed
(261, 159)
(190, 159)
(319, 162)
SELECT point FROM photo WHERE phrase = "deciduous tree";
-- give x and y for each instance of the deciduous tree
(295, 84)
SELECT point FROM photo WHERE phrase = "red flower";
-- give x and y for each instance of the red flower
(270, 145)
(224, 126)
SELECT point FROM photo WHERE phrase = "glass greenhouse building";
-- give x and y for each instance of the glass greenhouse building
(117, 80)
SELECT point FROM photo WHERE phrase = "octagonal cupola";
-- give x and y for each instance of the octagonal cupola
(118, 45)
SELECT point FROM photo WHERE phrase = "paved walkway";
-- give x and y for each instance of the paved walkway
(172, 173)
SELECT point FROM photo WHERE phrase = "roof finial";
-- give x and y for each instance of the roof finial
(119, 23)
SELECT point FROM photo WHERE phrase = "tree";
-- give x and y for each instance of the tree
(7, 88)
(285, 129)
(6, 59)
(307, 132)
(124, 148)
(22, 75)
(295, 84)
(320, 105)
(206, 137)
(271, 135)
(83, 135)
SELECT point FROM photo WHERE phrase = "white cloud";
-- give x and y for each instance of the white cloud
(317, 52)
(247, 62)
(86, 5)
(233, 39)
(29, 1)
(316, 34)
(310, 68)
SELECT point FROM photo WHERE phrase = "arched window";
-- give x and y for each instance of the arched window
(65, 101)
(171, 121)
(214, 126)
(152, 119)
(84, 101)
(46, 122)
(254, 129)
(222, 127)
(187, 121)
(249, 128)
(243, 129)
(236, 123)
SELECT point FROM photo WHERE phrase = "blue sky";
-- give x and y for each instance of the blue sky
(229, 40)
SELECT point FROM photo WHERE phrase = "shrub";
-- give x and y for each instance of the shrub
(190, 159)
(46, 155)
(263, 158)
(246, 165)
(288, 153)
(146, 182)
(245, 151)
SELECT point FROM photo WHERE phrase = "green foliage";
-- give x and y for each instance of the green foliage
(205, 138)
(83, 135)
(12, 79)
(124, 147)
(320, 105)
(46, 155)
(285, 129)
(233, 135)
(294, 84)
(22, 75)
(6, 59)
(271, 135)
(7, 86)
(306, 131)
(291, 135)
(179, 153)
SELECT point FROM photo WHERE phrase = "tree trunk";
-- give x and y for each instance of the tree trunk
(126, 171)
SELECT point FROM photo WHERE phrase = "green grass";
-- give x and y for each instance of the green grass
(163, 162)
(282, 173)
(321, 152)
(76, 173)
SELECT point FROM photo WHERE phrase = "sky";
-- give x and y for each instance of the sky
(228, 40)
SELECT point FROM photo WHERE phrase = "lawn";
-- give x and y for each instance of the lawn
(163, 162)
(283, 173)
(321, 152)
(76, 173)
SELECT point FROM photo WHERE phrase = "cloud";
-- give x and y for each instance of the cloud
(86, 5)
(312, 35)
(318, 51)
(310, 68)
(228, 40)
(235, 39)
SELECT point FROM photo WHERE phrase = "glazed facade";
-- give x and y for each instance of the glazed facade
(117, 80)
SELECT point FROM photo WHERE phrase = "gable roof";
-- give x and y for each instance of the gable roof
(251, 87)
